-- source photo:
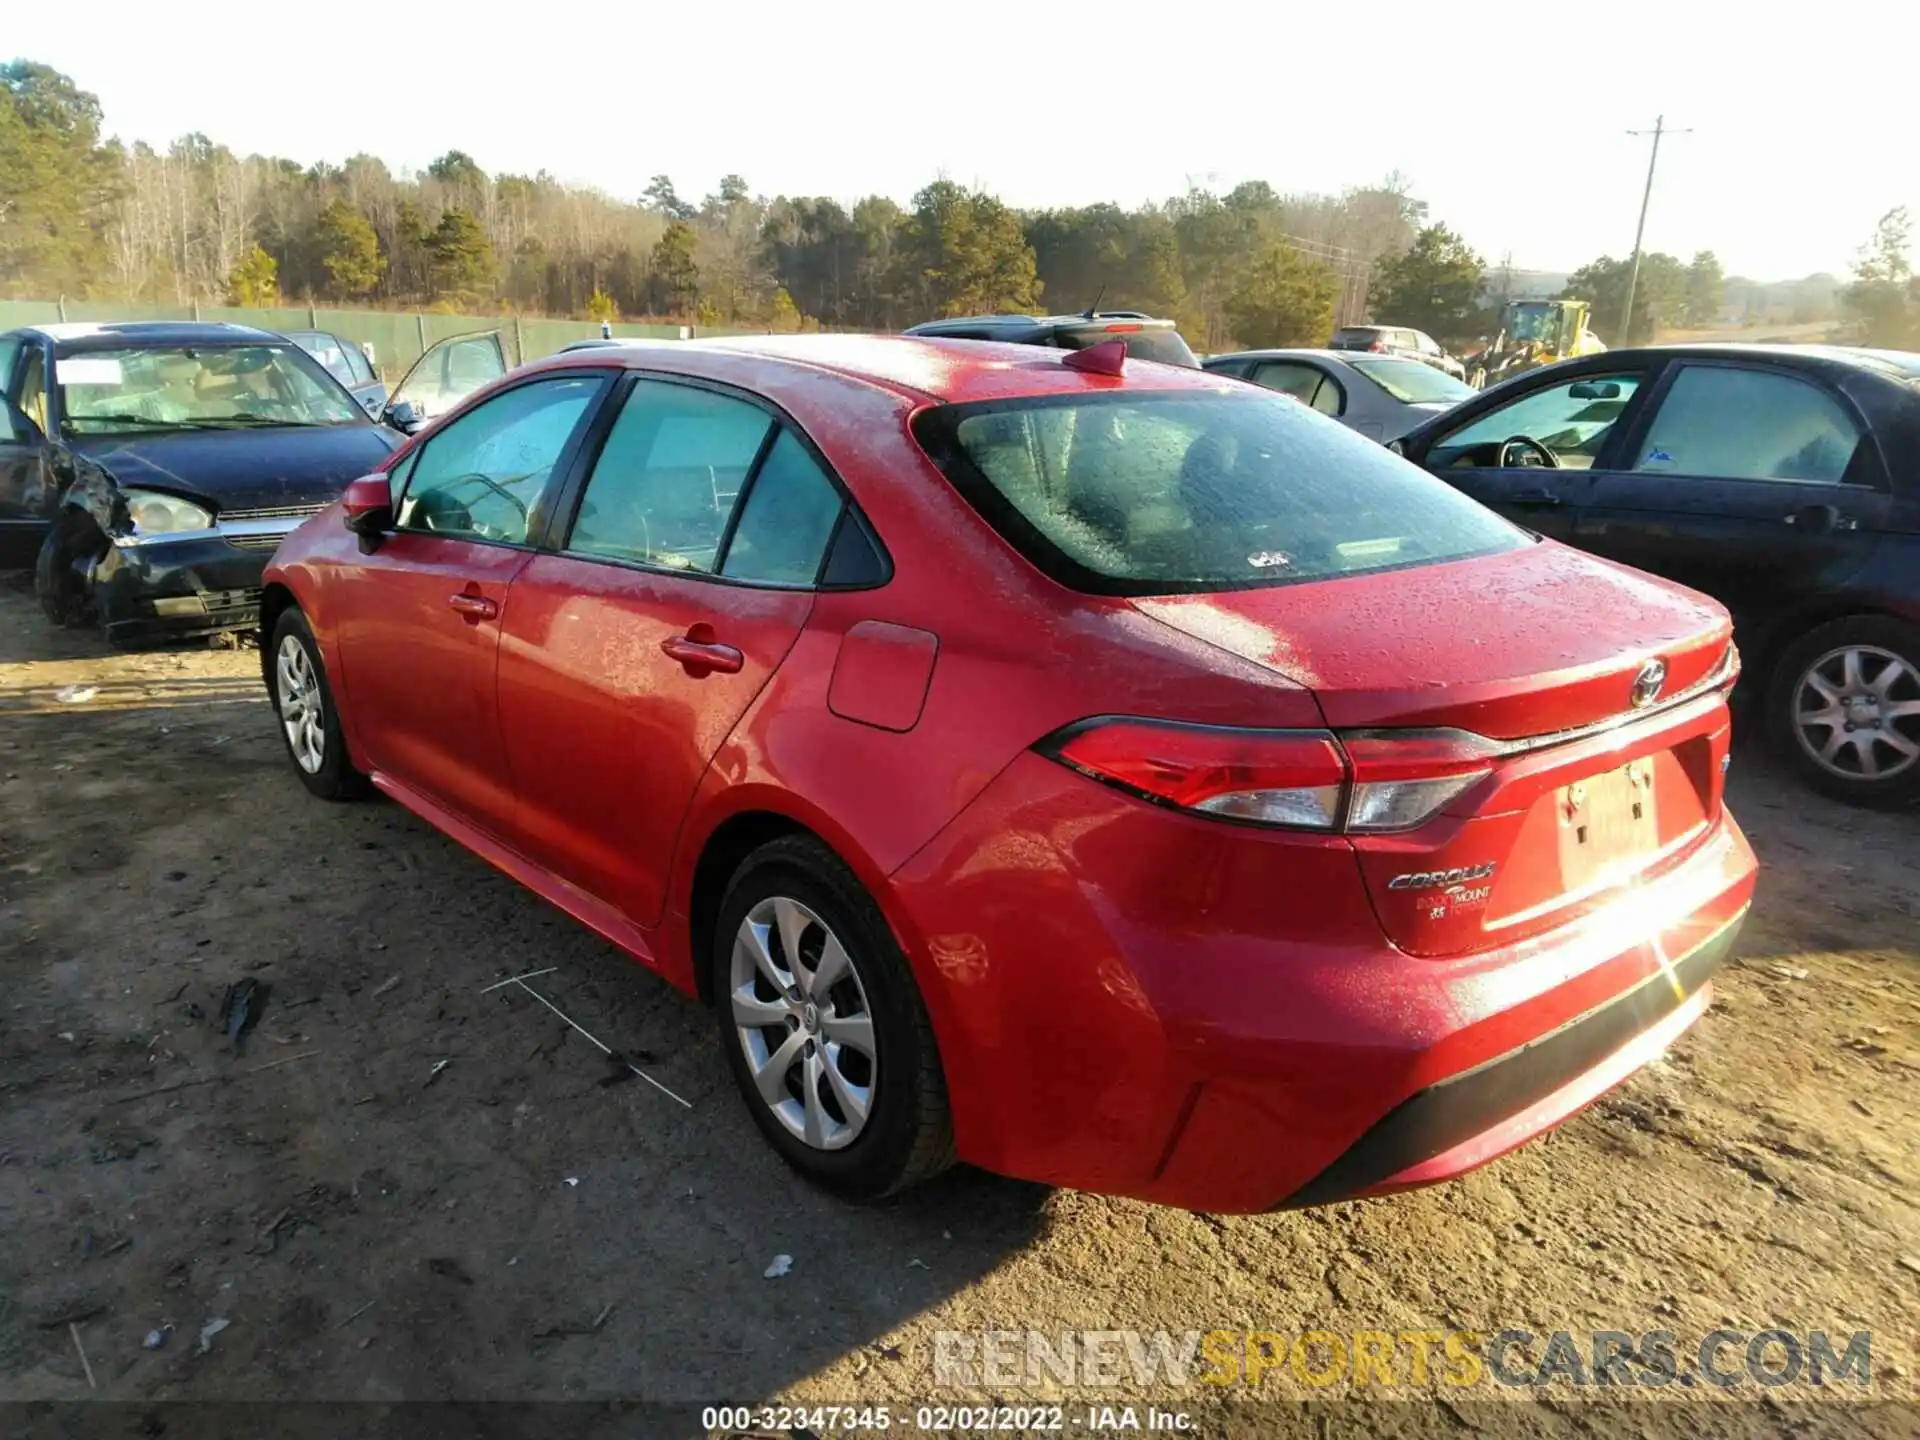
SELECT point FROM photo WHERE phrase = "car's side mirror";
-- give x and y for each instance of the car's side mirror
(367, 508)
(403, 417)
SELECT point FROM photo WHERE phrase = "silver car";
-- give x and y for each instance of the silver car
(1381, 396)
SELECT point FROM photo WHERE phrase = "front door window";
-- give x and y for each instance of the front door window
(1571, 421)
(481, 477)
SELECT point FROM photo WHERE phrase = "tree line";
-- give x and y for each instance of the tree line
(82, 214)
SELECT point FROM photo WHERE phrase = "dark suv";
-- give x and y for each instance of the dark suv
(1147, 338)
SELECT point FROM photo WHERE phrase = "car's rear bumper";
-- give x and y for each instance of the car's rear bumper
(1208, 1016)
(1467, 1119)
(202, 583)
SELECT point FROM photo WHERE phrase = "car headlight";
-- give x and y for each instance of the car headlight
(151, 513)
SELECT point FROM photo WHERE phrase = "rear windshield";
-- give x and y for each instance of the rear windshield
(1354, 338)
(1149, 342)
(1411, 382)
(1144, 493)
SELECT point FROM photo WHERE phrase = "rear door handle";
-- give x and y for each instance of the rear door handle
(701, 657)
(1535, 497)
(1819, 519)
(474, 607)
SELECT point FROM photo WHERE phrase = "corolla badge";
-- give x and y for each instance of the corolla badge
(1442, 879)
(1646, 685)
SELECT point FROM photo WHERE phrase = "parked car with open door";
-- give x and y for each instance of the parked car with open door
(1784, 481)
(448, 372)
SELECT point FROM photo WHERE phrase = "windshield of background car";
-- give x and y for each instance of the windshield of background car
(1153, 493)
(1412, 382)
(1149, 342)
(1354, 338)
(198, 387)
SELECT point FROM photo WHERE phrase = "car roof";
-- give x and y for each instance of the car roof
(919, 367)
(1894, 363)
(78, 336)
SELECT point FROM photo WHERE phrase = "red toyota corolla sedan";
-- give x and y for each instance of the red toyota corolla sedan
(1104, 773)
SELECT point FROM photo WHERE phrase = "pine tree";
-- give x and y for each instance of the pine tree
(255, 280)
(676, 279)
(1284, 298)
(349, 252)
(461, 260)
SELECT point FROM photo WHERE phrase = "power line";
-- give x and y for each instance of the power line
(1639, 233)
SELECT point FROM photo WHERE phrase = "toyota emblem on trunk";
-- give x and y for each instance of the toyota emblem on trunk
(1646, 685)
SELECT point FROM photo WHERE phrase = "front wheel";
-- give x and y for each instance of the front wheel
(58, 581)
(1844, 708)
(309, 720)
(823, 1026)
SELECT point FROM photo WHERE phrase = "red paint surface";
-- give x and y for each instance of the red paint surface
(881, 674)
(1126, 997)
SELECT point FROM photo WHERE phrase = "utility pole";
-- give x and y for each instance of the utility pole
(1640, 230)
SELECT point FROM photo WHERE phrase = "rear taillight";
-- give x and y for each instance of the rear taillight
(1401, 779)
(1296, 779)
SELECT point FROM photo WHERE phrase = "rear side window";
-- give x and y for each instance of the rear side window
(1738, 424)
(1142, 493)
(1308, 384)
(786, 521)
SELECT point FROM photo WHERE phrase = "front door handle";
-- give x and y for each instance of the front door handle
(1535, 497)
(474, 607)
(700, 655)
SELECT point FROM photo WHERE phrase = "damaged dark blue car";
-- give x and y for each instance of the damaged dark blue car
(149, 470)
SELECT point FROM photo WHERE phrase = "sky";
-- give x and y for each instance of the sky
(1510, 120)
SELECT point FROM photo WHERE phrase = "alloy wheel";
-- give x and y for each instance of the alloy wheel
(803, 1021)
(1856, 712)
(303, 714)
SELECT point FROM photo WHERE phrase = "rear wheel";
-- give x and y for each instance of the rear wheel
(1844, 707)
(309, 720)
(823, 1026)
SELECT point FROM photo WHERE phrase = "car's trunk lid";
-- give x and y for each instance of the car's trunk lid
(1520, 644)
(1603, 777)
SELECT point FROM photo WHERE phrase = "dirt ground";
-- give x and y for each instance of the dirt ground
(408, 1188)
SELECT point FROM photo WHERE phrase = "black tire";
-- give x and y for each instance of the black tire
(907, 1136)
(1875, 636)
(63, 600)
(334, 778)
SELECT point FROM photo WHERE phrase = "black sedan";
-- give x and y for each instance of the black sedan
(1784, 481)
(148, 471)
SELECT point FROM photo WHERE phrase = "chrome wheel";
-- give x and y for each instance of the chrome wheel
(302, 713)
(1856, 712)
(802, 1018)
